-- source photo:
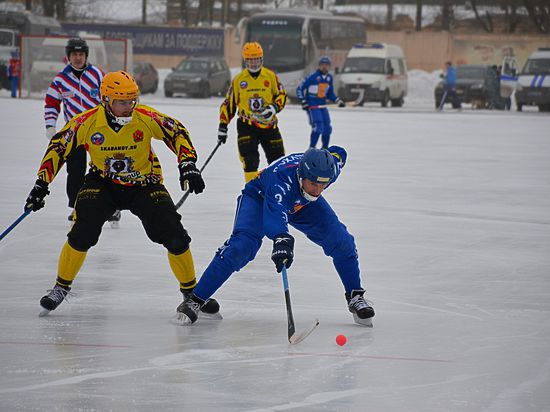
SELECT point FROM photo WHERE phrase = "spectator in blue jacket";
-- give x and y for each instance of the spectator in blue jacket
(313, 92)
(449, 87)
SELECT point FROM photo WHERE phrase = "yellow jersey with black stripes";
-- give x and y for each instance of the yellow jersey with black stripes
(249, 95)
(126, 157)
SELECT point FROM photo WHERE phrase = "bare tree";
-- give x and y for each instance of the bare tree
(539, 12)
(446, 10)
(143, 11)
(389, 14)
(418, 25)
(486, 23)
(510, 13)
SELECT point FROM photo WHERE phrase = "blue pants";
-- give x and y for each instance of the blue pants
(14, 85)
(319, 119)
(317, 221)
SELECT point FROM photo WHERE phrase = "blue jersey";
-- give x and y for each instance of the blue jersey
(316, 89)
(278, 186)
(450, 77)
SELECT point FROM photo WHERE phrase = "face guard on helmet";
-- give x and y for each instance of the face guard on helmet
(119, 88)
(316, 165)
(253, 56)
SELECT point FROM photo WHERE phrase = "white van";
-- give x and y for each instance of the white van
(50, 58)
(374, 72)
(533, 87)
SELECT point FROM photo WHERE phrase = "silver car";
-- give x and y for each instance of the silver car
(198, 77)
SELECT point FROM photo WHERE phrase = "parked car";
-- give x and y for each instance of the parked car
(146, 77)
(475, 84)
(199, 77)
(374, 72)
(533, 87)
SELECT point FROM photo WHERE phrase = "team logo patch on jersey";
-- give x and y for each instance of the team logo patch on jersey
(97, 139)
(256, 103)
(94, 92)
(266, 83)
(119, 164)
(138, 136)
(243, 84)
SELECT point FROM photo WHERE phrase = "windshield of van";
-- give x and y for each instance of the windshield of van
(537, 66)
(364, 65)
(463, 72)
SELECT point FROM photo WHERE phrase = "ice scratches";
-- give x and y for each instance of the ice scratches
(432, 309)
(326, 397)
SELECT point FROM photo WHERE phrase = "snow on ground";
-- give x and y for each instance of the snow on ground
(450, 215)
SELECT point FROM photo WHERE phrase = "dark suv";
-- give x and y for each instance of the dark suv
(198, 77)
(475, 84)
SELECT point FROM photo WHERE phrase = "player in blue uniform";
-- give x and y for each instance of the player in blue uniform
(313, 93)
(286, 192)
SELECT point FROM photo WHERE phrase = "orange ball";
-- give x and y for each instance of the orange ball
(341, 340)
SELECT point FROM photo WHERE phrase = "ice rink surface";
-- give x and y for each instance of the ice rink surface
(451, 215)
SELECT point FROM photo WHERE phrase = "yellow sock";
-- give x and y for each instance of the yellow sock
(184, 269)
(70, 262)
(248, 176)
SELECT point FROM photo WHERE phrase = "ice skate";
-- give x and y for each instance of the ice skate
(114, 219)
(210, 309)
(53, 299)
(187, 312)
(360, 308)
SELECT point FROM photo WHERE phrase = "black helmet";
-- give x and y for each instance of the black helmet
(76, 45)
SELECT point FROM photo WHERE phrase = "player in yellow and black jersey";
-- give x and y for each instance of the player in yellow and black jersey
(124, 174)
(258, 95)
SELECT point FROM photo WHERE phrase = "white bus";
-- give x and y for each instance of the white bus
(293, 40)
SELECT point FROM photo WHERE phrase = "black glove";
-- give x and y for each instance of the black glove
(35, 200)
(305, 106)
(283, 251)
(222, 133)
(340, 103)
(190, 176)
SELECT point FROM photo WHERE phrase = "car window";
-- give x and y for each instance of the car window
(193, 66)
(364, 65)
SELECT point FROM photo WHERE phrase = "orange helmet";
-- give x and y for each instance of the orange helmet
(252, 51)
(119, 86)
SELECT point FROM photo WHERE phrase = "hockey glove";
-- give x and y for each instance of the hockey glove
(190, 177)
(50, 132)
(340, 102)
(35, 200)
(268, 113)
(305, 106)
(222, 133)
(283, 251)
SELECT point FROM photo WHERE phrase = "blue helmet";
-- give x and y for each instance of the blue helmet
(317, 165)
(325, 60)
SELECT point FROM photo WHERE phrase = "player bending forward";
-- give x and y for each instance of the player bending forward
(124, 173)
(286, 192)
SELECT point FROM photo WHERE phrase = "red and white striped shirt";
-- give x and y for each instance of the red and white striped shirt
(76, 94)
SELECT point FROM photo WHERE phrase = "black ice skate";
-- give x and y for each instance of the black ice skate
(187, 312)
(359, 307)
(53, 299)
(209, 310)
(114, 219)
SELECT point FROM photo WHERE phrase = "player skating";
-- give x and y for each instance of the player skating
(313, 92)
(258, 96)
(76, 87)
(124, 173)
(286, 192)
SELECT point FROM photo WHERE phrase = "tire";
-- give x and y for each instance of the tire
(385, 100)
(155, 87)
(519, 107)
(168, 93)
(205, 91)
(397, 102)
(225, 89)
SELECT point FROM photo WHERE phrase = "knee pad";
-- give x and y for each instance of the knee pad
(82, 240)
(177, 243)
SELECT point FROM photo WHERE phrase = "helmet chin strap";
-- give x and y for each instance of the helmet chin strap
(306, 195)
(121, 120)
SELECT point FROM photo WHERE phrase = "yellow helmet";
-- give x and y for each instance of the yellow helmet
(252, 51)
(119, 86)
